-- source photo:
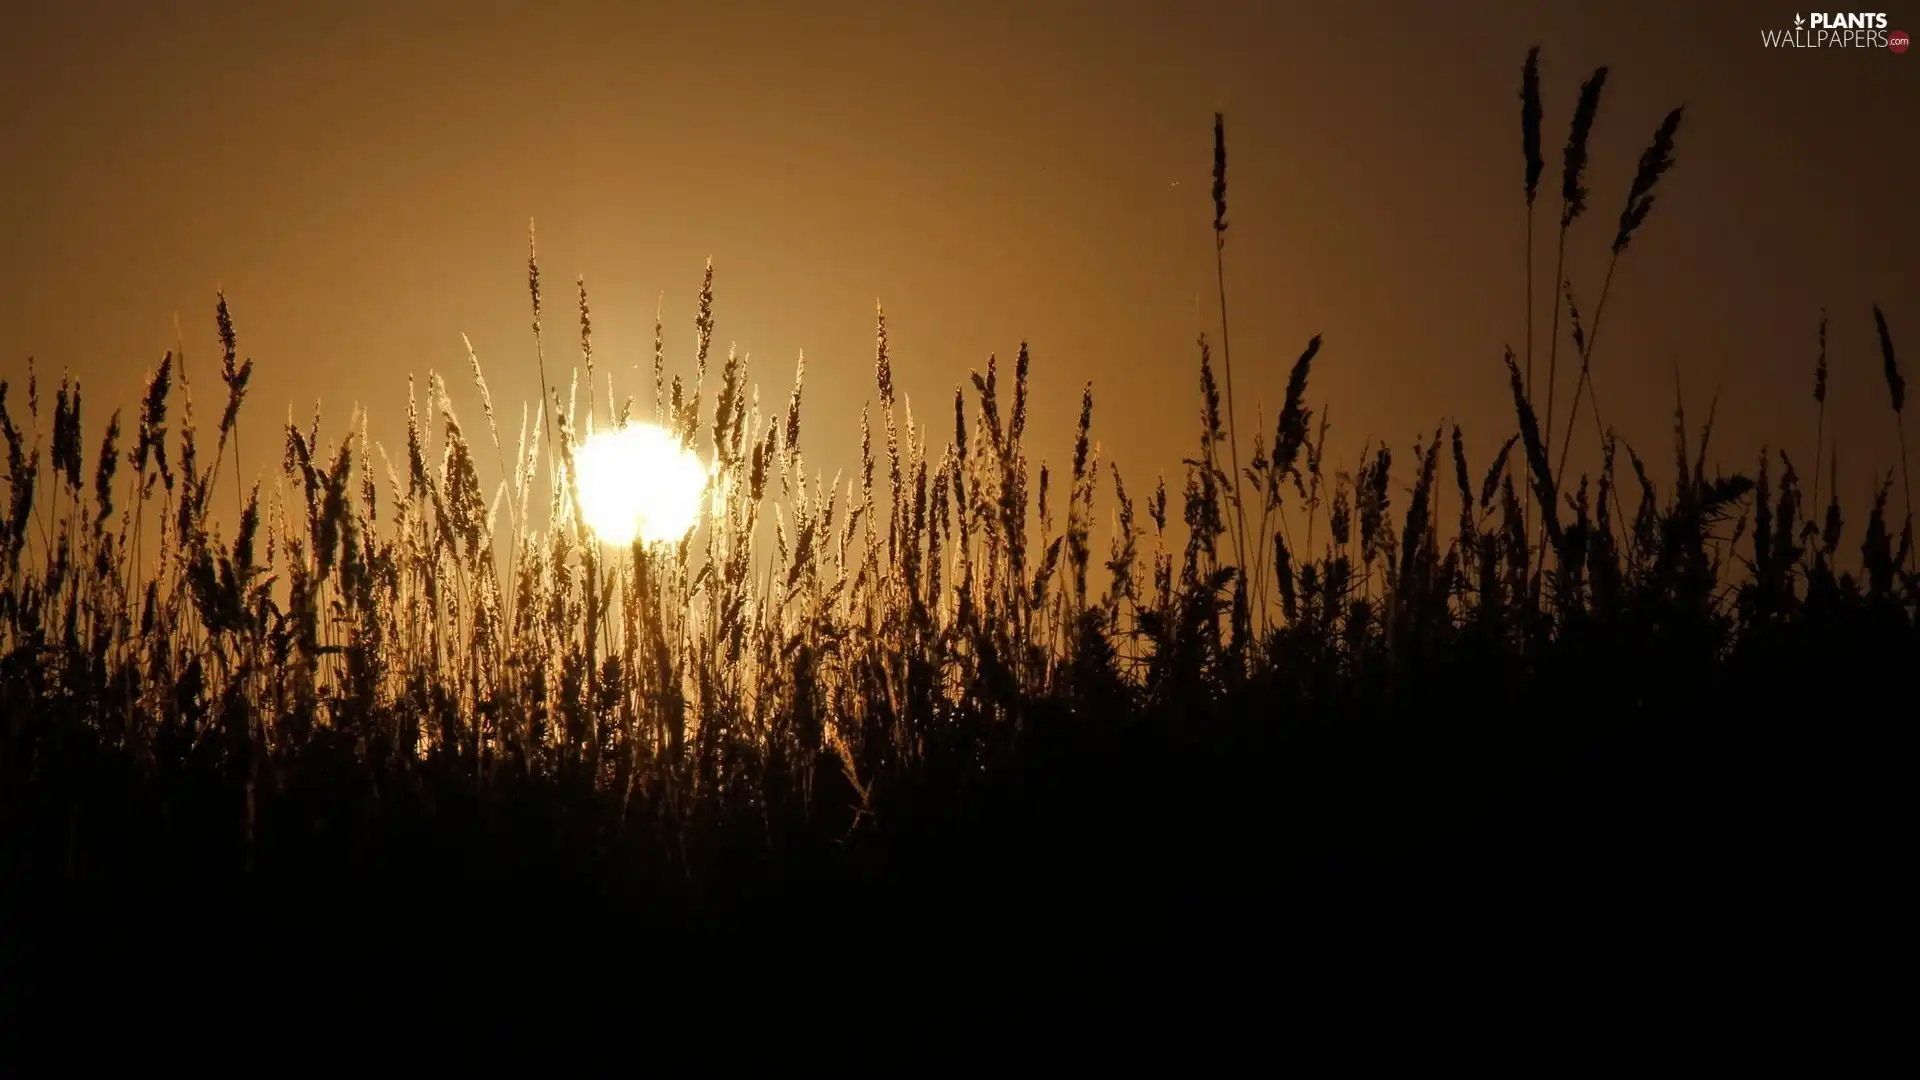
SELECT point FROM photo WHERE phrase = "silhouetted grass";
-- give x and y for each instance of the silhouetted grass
(1422, 767)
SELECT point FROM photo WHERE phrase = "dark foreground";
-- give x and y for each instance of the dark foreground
(1720, 879)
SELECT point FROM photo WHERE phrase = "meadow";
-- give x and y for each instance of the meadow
(1598, 769)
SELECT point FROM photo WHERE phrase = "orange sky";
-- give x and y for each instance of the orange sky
(359, 178)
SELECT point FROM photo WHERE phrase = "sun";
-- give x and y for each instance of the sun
(639, 483)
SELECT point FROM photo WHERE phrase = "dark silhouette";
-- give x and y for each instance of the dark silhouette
(1632, 792)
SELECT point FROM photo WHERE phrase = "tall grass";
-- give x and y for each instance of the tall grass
(911, 621)
(1530, 113)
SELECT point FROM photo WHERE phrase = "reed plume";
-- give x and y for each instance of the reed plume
(1530, 115)
(1654, 163)
(236, 377)
(539, 346)
(1226, 349)
(1897, 396)
(1573, 203)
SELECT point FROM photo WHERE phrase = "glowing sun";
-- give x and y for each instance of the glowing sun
(639, 483)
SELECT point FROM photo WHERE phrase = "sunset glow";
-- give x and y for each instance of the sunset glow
(638, 482)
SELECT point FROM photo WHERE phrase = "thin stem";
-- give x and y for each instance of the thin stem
(239, 489)
(539, 349)
(1906, 485)
(1526, 506)
(1819, 451)
(1586, 383)
(1233, 436)
(1553, 356)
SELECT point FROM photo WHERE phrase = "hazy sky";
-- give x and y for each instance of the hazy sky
(359, 178)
